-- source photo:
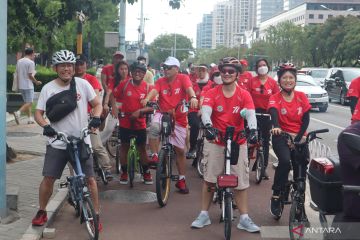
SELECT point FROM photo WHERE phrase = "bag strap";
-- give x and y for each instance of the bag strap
(126, 84)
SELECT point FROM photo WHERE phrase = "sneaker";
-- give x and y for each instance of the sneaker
(30, 120)
(201, 221)
(181, 185)
(191, 154)
(275, 207)
(266, 175)
(108, 175)
(124, 178)
(147, 178)
(17, 117)
(40, 218)
(248, 225)
(153, 161)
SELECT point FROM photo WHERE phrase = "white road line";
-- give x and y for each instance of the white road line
(337, 106)
(330, 124)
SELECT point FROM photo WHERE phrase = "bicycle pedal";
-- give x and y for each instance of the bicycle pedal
(174, 177)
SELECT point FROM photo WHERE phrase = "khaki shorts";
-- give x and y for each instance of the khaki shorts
(214, 164)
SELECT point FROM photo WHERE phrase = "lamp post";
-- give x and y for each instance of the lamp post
(81, 19)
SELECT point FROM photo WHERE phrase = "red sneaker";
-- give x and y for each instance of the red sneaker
(147, 178)
(99, 223)
(153, 161)
(40, 218)
(124, 178)
(181, 185)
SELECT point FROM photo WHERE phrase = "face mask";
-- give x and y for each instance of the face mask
(204, 80)
(218, 80)
(263, 70)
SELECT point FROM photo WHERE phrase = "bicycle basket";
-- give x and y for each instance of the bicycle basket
(166, 124)
(224, 181)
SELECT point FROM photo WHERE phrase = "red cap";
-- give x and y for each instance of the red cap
(244, 62)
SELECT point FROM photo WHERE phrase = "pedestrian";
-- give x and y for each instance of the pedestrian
(25, 72)
(149, 76)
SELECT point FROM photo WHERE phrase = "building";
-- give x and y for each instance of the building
(289, 4)
(221, 24)
(204, 32)
(266, 9)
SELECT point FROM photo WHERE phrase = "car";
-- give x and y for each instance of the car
(317, 96)
(318, 74)
(337, 83)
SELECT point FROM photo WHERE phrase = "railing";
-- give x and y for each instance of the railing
(318, 149)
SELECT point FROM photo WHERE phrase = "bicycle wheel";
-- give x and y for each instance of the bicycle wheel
(163, 178)
(100, 172)
(259, 171)
(111, 145)
(296, 223)
(117, 159)
(74, 203)
(199, 158)
(227, 205)
(131, 167)
(89, 218)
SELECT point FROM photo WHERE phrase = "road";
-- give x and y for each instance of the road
(126, 220)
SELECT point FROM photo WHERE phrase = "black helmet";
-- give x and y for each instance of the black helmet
(138, 65)
(286, 67)
(230, 61)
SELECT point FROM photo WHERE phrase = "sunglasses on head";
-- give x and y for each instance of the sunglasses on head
(166, 67)
(228, 70)
(262, 89)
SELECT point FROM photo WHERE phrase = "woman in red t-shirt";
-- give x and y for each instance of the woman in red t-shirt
(289, 110)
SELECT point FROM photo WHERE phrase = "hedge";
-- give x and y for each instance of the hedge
(43, 74)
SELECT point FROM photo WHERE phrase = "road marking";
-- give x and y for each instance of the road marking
(333, 105)
(330, 124)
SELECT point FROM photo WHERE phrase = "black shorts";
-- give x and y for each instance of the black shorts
(56, 160)
(125, 135)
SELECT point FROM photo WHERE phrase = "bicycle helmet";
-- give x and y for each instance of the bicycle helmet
(286, 67)
(138, 65)
(230, 61)
(63, 56)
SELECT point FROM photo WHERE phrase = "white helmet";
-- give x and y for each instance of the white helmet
(63, 56)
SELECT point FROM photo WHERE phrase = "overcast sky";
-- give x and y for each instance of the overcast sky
(164, 20)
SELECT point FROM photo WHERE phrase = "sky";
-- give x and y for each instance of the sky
(162, 19)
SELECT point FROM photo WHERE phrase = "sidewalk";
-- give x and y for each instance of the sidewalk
(25, 177)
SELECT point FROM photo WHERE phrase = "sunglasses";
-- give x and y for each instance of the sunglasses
(262, 89)
(228, 70)
(166, 67)
(138, 72)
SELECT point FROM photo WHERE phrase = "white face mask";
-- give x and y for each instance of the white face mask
(263, 70)
(218, 80)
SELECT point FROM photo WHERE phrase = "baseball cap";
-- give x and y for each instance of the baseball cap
(118, 53)
(203, 65)
(81, 59)
(244, 62)
(171, 61)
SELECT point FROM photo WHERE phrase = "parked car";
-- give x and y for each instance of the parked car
(337, 83)
(317, 96)
(318, 74)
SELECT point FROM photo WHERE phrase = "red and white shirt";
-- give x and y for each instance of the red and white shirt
(290, 113)
(261, 94)
(354, 91)
(132, 96)
(226, 111)
(108, 71)
(244, 79)
(198, 92)
(170, 94)
(94, 83)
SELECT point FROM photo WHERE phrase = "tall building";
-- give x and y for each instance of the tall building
(289, 4)
(221, 24)
(204, 32)
(252, 14)
(239, 22)
(265, 9)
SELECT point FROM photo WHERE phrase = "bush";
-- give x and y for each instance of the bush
(43, 74)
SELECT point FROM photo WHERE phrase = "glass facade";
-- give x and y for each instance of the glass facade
(333, 6)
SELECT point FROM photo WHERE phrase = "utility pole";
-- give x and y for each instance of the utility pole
(141, 37)
(3, 46)
(122, 21)
(81, 19)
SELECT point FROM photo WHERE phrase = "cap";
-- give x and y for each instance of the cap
(171, 61)
(81, 58)
(118, 53)
(202, 66)
(141, 58)
(244, 62)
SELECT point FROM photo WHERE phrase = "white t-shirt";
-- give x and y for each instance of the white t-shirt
(75, 121)
(23, 67)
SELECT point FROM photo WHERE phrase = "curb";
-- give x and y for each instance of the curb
(54, 205)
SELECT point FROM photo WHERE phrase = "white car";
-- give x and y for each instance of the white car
(318, 97)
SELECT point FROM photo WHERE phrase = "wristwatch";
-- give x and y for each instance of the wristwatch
(193, 97)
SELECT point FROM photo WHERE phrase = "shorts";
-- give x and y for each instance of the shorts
(177, 138)
(125, 134)
(27, 95)
(214, 164)
(56, 160)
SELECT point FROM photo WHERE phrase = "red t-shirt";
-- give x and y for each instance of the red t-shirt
(193, 78)
(244, 79)
(354, 91)
(226, 111)
(94, 83)
(290, 113)
(170, 94)
(261, 100)
(198, 92)
(207, 88)
(132, 96)
(111, 82)
(108, 71)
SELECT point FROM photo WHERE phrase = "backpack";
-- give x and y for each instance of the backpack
(61, 104)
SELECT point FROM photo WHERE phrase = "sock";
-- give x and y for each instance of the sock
(206, 213)
(243, 216)
(181, 177)
(124, 168)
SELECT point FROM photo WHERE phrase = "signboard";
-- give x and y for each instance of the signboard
(111, 40)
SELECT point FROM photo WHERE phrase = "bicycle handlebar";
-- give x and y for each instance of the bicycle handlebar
(156, 106)
(311, 136)
(351, 188)
(65, 138)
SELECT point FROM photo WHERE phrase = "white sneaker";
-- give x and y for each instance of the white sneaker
(17, 117)
(30, 120)
(248, 225)
(201, 221)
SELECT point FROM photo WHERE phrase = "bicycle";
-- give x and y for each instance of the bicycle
(164, 174)
(98, 169)
(79, 194)
(296, 188)
(197, 162)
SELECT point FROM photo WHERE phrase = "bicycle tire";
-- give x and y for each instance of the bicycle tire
(90, 219)
(260, 169)
(131, 167)
(100, 172)
(163, 179)
(74, 204)
(296, 227)
(227, 215)
(199, 158)
(111, 145)
(117, 159)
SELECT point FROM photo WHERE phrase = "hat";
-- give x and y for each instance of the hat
(203, 65)
(171, 61)
(81, 59)
(141, 58)
(118, 53)
(244, 62)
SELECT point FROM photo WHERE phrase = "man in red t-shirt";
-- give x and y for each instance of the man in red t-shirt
(221, 108)
(132, 121)
(244, 76)
(353, 94)
(171, 90)
(97, 146)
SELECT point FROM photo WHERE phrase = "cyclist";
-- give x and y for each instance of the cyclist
(170, 90)
(132, 91)
(56, 156)
(289, 110)
(221, 108)
(353, 94)
(193, 115)
(149, 76)
(244, 76)
(261, 87)
(215, 79)
(97, 146)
